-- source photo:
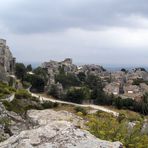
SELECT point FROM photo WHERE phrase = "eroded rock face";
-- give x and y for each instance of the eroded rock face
(3, 119)
(54, 67)
(7, 61)
(92, 69)
(55, 130)
(10, 123)
(144, 129)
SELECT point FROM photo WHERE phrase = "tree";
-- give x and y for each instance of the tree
(20, 71)
(36, 81)
(78, 95)
(82, 76)
(141, 69)
(123, 70)
(29, 67)
(67, 80)
(42, 73)
(118, 103)
(96, 85)
(56, 90)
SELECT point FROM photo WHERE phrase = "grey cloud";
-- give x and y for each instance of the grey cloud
(89, 31)
(36, 16)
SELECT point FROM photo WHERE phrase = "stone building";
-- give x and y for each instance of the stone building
(112, 88)
(7, 61)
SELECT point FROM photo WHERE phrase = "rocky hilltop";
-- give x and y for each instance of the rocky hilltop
(51, 129)
(54, 67)
(7, 61)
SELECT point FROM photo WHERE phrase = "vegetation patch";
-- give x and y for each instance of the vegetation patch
(107, 127)
(5, 90)
(81, 109)
(48, 104)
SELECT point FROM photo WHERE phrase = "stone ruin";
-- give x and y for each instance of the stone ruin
(7, 61)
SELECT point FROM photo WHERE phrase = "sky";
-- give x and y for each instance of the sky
(104, 32)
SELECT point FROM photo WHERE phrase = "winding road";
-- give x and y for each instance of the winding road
(96, 107)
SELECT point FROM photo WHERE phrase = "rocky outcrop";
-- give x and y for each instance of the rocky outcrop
(3, 119)
(55, 130)
(7, 61)
(91, 69)
(67, 67)
(10, 123)
(54, 67)
(144, 129)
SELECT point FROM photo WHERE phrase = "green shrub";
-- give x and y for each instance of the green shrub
(80, 109)
(78, 95)
(35, 99)
(20, 94)
(15, 106)
(107, 127)
(48, 104)
(5, 90)
(4, 121)
(26, 84)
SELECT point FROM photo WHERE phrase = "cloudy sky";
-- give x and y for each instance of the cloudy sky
(106, 32)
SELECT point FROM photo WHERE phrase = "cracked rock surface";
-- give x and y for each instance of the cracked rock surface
(53, 129)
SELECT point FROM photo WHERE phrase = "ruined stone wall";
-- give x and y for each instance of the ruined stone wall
(7, 61)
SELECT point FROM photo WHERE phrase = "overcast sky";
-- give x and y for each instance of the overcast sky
(105, 32)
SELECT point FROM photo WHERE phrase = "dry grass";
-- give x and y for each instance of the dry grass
(131, 115)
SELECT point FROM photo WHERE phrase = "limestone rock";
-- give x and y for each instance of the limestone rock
(3, 119)
(10, 123)
(54, 130)
(7, 61)
(91, 69)
(145, 127)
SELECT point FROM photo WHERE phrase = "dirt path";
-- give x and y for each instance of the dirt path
(96, 107)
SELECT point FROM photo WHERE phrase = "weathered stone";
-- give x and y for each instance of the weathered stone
(54, 68)
(3, 118)
(91, 69)
(55, 130)
(7, 61)
(12, 121)
(145, 127)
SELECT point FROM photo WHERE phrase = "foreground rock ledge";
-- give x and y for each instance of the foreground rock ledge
(51, 129)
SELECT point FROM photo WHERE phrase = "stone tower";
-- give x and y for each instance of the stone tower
(7, 61)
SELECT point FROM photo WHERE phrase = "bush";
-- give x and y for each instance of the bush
(78, 95)
(67, 80)
(5, 90)
(26, 84)
(13, 106)
(109, 128)
(21, 94)
(20, 106)
(36, 81)
(48, 104)
(80, 109)
(20, 71)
